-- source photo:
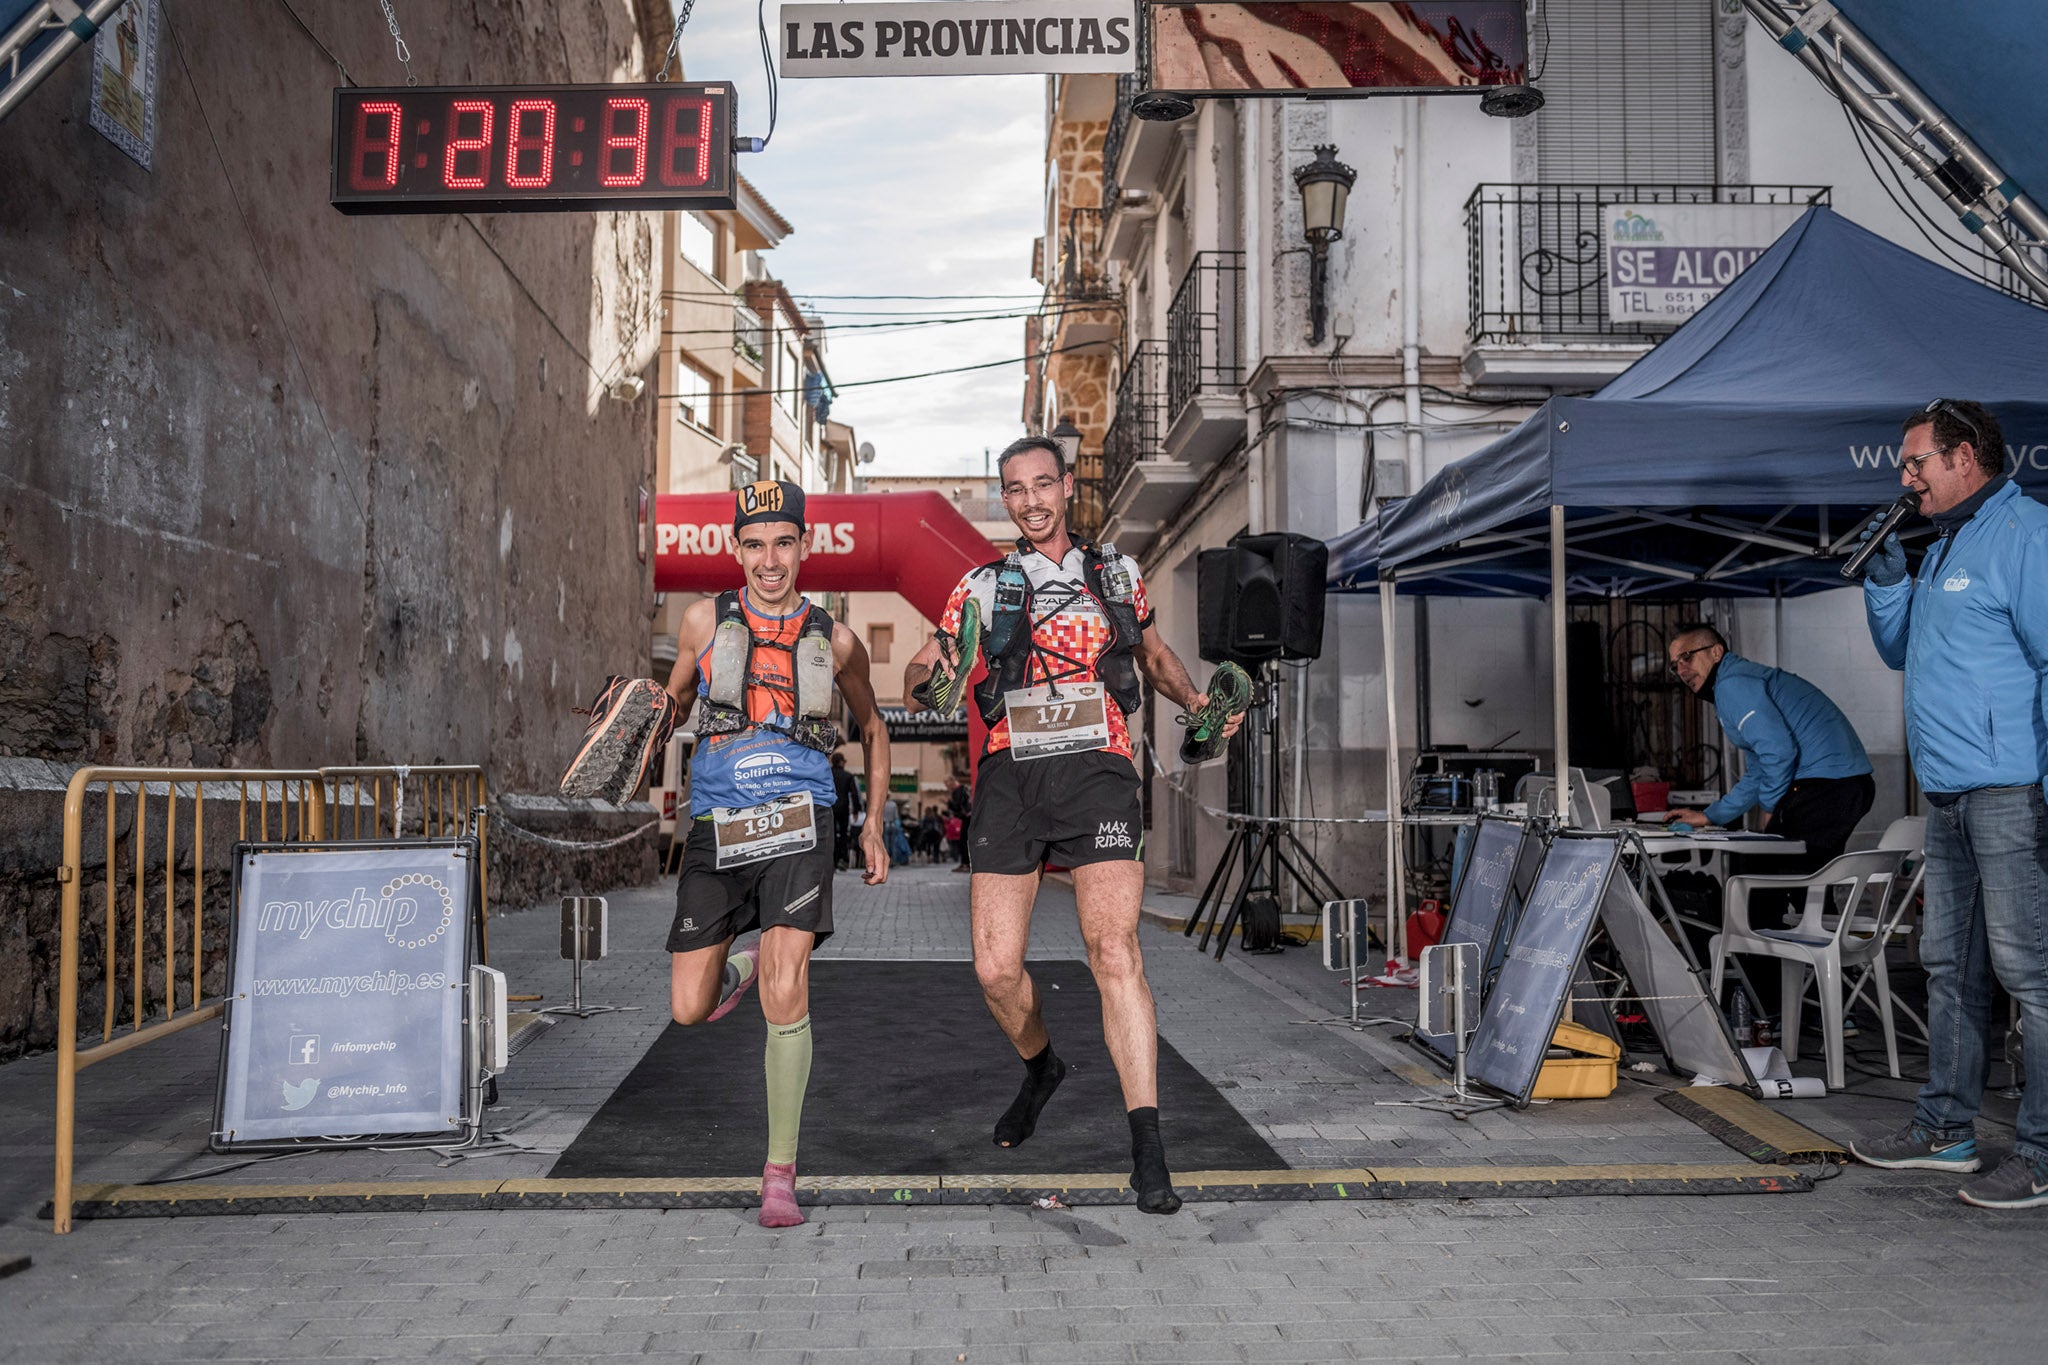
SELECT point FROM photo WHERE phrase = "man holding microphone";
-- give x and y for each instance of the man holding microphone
(1971, 633)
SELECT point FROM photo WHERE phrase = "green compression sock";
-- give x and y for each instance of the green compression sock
(739, 969)
(788, 1064)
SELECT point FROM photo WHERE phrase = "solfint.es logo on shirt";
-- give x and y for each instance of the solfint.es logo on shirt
(1959, 581)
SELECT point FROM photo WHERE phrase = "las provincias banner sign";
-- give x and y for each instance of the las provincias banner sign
(981, 38)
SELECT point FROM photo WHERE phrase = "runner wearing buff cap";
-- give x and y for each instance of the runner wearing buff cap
(762, 663)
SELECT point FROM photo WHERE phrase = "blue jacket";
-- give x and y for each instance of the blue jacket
(1786, 728)
(1971, 632)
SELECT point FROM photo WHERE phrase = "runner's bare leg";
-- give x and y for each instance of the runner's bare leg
(1002, 932)
(1110, 896)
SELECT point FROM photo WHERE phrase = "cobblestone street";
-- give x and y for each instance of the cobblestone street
(1866, 1267)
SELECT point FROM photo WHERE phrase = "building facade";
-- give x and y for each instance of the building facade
(1465, 290)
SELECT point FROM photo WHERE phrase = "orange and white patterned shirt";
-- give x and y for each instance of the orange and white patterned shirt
(1069, 629)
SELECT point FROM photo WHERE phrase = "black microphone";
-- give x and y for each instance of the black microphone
(1906, 506)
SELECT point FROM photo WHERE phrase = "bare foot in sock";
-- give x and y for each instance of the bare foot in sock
(778, 1196)
(1042, 1076)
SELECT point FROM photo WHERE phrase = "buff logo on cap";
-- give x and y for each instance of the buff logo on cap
(769, 500)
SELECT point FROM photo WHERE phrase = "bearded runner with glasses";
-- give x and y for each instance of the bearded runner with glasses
(1066, 631)
(1970, 632)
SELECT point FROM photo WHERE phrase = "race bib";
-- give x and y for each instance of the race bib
(747, 834)
(1058, 718)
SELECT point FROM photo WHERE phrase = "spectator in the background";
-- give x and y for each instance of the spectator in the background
(959, 806)
(846, 799)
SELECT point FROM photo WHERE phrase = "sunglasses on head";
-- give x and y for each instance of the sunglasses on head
(1942, 405)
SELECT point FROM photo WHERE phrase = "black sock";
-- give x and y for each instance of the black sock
(1150, 1179)
(1042, 1076)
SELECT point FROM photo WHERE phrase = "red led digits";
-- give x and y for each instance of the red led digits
(520, 141)
(367, 147)
(686, 142)
(457, 145)
(616, 141)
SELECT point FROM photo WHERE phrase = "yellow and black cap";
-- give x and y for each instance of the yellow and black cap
(769, 500)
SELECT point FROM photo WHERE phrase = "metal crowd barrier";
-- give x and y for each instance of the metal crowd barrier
(302, 805)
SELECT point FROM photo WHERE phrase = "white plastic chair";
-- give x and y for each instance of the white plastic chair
(1864, 914)
(1907, 834)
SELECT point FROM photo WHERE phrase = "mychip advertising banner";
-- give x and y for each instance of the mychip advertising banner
(345, 1018)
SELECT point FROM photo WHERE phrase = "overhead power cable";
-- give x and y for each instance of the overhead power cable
(840, 385)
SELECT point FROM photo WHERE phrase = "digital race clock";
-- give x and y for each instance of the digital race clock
(532, 148)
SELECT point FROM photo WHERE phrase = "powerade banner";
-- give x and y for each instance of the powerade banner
(346, 1013)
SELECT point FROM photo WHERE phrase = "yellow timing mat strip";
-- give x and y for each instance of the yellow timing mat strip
(1758, 1131)
(203, 1198)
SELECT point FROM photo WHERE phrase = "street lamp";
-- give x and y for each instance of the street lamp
(1324, 185)
(1069, 437)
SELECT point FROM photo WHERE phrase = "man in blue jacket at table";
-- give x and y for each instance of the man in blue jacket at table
(1971, 633)
(1802, 762)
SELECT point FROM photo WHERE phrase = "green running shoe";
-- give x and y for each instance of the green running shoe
(1230, 692)
(947, 687)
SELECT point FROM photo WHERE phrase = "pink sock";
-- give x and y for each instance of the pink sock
(778, 1196)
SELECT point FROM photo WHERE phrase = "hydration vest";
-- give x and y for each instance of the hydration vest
(731, 664)
(1006, 638)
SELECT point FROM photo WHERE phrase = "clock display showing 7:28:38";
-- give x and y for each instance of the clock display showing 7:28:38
(445, 149)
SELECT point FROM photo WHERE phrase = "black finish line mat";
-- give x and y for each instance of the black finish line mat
(908, 1076)
(197, 1199)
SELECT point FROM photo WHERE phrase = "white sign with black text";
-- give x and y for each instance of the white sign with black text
(1665, 262)
(980, 38)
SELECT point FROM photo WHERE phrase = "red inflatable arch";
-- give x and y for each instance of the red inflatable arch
(915, 544)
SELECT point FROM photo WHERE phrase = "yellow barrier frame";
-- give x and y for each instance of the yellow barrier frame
(302, 801)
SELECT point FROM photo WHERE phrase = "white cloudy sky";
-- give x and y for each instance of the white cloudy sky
(906, 185)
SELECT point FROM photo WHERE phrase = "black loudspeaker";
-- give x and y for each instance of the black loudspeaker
(1261, 597)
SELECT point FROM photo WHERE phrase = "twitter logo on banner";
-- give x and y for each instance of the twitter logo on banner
(300, 1095)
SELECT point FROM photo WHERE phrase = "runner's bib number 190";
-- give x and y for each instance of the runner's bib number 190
(747, 834)
(1058, 718)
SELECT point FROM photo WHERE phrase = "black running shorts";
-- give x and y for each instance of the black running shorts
(713, 906)
(1069, 810)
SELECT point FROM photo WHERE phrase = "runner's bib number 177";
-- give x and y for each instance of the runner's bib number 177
(747, 834)
(1058, 718)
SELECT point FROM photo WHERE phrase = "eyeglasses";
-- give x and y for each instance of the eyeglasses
(1678, 659)
(1954, 413)
(1018, 490)
(1911, 463)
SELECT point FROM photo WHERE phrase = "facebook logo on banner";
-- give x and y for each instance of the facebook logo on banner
(304, 1050)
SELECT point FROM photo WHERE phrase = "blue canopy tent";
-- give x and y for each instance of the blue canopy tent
(1740, 456)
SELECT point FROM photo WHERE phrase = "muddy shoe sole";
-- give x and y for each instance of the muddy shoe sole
(1230, 692)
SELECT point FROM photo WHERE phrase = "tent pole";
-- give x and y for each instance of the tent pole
(1560, 711)
(1397, 933)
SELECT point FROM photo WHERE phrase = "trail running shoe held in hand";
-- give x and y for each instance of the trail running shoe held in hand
(1230, 692)
(947, 686)
(1914, 1148)
(2017, 1184)
(629, 722)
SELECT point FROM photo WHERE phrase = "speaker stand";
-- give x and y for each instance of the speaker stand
(1259, 849)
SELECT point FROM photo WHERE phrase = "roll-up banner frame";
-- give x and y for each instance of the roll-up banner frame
(348, 1010)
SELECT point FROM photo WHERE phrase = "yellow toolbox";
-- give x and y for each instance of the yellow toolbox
(1580, 1065)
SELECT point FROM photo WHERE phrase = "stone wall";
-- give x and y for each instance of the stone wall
(283, 487)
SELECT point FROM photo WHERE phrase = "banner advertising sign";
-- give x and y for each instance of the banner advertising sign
(123, 106)
(1665, 261)
(345, 1016)
(979, 38)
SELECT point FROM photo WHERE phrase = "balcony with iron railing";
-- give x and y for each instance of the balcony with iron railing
(1128, 84)
(749, 333)
(1137, 425)
(1205, 359)
(1083, 275)
(1537, 265)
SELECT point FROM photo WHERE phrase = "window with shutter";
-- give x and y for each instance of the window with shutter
(1629, 92)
